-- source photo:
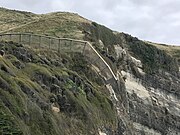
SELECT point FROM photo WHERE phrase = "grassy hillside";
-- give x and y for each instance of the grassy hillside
(44, 92)
(12, 19)
(33, 82)
(59, 24)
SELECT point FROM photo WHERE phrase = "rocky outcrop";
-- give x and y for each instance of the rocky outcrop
(153, 98)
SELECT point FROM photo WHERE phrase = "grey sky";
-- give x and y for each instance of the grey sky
(153, 20)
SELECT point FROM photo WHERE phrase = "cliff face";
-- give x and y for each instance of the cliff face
(153, 96)
(44, 92)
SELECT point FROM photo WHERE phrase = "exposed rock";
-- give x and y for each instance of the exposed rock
(2, 53)
(55, 89)
(54, 108)
(101, 44)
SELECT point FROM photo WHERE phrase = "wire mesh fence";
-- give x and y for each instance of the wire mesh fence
(63, 45)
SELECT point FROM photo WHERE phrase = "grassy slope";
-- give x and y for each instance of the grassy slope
(60, 24)
(11, 18)
(28, 88)
(91, 106)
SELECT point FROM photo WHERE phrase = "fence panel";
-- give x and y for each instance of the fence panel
(15, 38)
(6, 37)
(25, 39)
(90, 54)
(45, 42)
(77, 46)
(54, 44)
(103, 68)
(66, 45)
(106, 72)
(35, 41)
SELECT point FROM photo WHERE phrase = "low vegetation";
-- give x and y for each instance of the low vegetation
(32, 82)
(152, 57)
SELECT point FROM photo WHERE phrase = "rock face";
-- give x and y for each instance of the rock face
(154, 103)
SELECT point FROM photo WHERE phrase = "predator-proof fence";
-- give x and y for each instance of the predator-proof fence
(63, 45)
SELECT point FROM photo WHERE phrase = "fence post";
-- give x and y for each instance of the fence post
(84, 47)
(49, 43)
(30, 36)
(10, 36)
(59, 45)
(71, 44)
(39, 41)
(20, 38)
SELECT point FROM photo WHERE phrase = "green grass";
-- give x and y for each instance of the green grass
(12, 18)
(60, 24)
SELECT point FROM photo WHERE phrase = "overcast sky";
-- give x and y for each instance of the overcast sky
(152, 20)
